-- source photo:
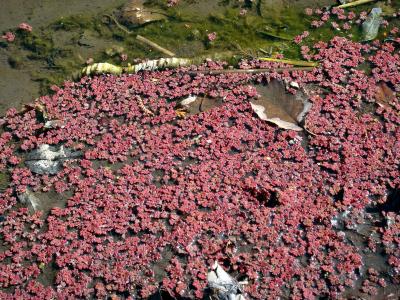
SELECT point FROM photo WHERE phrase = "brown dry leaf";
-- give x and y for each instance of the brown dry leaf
(40, 110)
(181, 113)
(134, 13)
(195, 104)
(260, 111)
(384, 94)
(279, 107)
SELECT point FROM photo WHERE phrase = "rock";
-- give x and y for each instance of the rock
(48, 159)
(294, 84)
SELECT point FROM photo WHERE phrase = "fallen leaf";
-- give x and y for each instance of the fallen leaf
(134, 13)
(193, 105)
(181, 113)
(384, 94)
(279, 107)
(260, 111)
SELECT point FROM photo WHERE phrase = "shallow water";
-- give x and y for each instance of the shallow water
(70, 32)
(19, 85)
(67, 33)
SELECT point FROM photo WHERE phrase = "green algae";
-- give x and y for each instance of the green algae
(63, 46)
(4, 181)
(184, 33)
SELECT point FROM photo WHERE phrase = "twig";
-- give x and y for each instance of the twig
(265, 51)
(155, 46)
(238, 47)
(144, 108)
(308, 130)
(291, 61)
(354, 3)
(123, 28)
(250, 71)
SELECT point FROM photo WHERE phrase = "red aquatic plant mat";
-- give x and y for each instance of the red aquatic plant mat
(156, 199)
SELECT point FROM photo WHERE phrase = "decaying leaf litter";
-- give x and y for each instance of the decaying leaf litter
(273, 104)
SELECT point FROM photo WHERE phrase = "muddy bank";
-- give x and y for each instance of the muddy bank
(19, 84)
(40, 13)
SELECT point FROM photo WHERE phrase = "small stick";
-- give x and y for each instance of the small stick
(144, 108)
(354, 3)
(263, 51)
(291, 61)
(249, 71)
(155, 46)
(306, 128)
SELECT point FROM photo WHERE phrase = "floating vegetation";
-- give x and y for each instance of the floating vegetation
(176, 180)
(275, 35)
(151, 181)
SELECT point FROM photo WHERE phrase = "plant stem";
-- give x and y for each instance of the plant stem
(123, 28)
(250, 71)
(291, 62)
(355, 3)
(155, 46)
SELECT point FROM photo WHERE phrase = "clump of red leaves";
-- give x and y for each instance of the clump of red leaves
(222, 185)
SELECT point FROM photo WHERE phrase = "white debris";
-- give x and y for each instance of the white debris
(224, 286)
(53, 124)
(294, 84)
(47, 159)
(188, 100)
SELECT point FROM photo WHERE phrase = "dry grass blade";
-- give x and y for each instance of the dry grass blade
(155, 46)
(293, 62)
(355, 3)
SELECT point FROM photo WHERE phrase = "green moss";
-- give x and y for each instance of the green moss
(4, 181)
(73, 23)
